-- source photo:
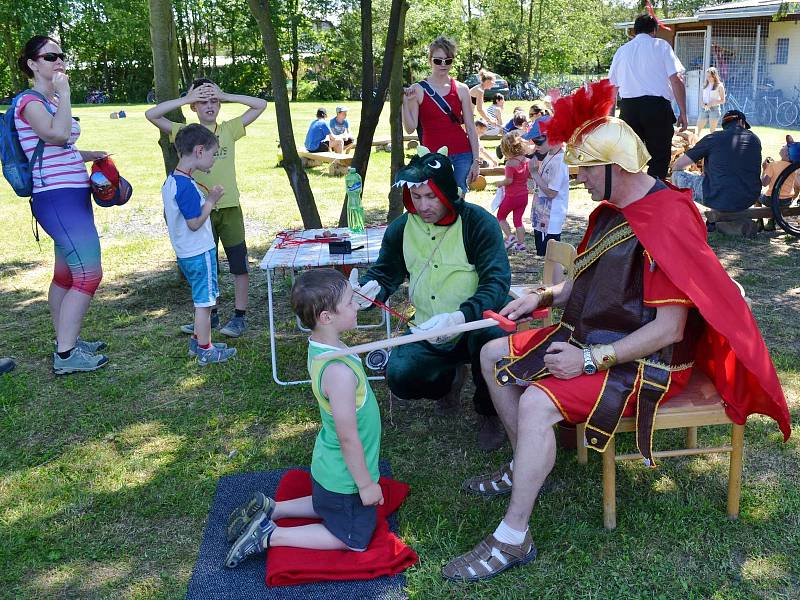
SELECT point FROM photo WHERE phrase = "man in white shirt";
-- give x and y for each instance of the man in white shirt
(649, 76)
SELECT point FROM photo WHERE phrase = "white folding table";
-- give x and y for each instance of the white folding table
(297, 250)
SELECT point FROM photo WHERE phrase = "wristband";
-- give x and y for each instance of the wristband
(545, 296)
(604, 356)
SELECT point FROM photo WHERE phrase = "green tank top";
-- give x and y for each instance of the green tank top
(328, 467)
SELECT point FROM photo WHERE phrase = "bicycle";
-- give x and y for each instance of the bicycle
(787, 217)
(789, 110)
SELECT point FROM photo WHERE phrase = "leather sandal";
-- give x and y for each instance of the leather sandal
(488, 559)
(495, 484)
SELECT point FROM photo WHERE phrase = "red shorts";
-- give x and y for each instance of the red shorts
(576, 397)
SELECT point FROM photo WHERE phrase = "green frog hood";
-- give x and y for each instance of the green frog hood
(435, 169)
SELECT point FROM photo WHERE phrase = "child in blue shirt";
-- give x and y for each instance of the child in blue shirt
(186, 211)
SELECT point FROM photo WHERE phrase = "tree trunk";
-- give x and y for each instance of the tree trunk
(165, 69)
(528, 56)
(18, 81)
(295, 52)
(372, 104)
(298, 179)
(396, 119)
(538, 39)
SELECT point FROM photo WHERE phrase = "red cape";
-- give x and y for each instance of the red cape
(731, 352)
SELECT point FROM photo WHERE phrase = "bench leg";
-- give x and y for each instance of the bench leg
(691, 437)
(581, 450)
(735, 475)
(610, 486)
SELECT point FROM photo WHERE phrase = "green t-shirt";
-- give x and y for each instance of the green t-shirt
(224, 170)
(328, 467)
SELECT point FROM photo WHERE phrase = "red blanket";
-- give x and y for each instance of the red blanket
(385, 555)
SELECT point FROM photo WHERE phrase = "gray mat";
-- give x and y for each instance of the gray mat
(212, 581)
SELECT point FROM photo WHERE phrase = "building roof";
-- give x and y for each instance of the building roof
(742, 9)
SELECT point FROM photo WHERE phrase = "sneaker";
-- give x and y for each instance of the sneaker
(189, 329)
(79, 361)
(193, 346)
(235, 327)
(241, 516)
(90, 347)
(254, 539)
(510, 241)
(214, 354)
(520, 247)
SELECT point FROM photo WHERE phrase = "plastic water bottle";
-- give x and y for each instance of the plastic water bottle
(355, 212)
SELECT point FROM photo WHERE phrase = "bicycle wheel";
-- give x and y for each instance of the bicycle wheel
(763, 113)
(789, 223)
(786, 114)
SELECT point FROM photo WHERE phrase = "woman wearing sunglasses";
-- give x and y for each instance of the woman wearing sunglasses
(444, 124)
(61, 201)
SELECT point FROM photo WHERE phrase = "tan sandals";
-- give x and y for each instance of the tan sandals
(495, 484)
(489, 558)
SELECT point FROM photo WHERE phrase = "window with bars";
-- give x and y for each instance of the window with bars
(782, 51)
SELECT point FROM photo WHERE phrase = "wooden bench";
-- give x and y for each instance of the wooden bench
(738, 223)
(382, 144)
(338, 163)
(698, 405)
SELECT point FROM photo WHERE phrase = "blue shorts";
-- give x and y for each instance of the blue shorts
(345, 516)
(201, 273)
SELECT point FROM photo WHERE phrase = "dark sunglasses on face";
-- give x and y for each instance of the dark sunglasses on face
(442, 61)
(53, 56)
(539, 140)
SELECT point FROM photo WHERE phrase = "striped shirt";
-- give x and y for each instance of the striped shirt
(62, 166)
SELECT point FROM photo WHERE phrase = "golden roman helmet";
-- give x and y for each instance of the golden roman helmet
(605, 141)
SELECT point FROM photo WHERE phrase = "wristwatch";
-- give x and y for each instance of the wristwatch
(588, 364)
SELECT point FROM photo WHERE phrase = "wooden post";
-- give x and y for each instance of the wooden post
(691, 437)
(735, 475)
(610, 486)
(582, 450)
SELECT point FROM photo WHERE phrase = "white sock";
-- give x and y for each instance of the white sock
(508, 535)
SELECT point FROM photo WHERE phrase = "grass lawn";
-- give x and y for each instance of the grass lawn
(106, 478)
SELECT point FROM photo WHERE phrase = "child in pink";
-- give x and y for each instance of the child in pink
(515, 198)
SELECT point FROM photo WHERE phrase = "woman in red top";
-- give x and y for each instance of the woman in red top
(439, 128)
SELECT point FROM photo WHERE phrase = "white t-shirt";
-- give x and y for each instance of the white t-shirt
(643, 66)
(555, 173)
(183, 200)
(493, 111)
(710, 94)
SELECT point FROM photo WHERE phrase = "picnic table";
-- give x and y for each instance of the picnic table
(297, 250)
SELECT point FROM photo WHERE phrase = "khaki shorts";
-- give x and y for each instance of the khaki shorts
(228, 227)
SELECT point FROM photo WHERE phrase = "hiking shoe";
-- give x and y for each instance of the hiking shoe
(79, 361)
(189, 329)
(449, 404)
(6, 365)
(491, 433)
(241, 516)
(90, 347)
(193, 346)
(215, 354)
(254, 539)
(235, 327)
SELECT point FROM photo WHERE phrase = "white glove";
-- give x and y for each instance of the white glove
(370, 289)
(440, 321)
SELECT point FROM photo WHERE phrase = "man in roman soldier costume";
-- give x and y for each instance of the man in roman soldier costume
(647, 303)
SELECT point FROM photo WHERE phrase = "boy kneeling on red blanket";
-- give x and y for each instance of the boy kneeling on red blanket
(344, 467)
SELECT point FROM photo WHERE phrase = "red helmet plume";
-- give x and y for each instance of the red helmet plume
(585, 104)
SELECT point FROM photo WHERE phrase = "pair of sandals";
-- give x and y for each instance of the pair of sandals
(512, 244)
(491, 556)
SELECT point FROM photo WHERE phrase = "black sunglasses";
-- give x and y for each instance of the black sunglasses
(53, 56)
(442, 61)
(539, 140)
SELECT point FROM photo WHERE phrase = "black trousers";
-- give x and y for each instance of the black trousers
(652, 119)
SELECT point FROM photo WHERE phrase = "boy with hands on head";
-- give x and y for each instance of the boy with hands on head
(344, 465)
(186, 211)
(227, 221)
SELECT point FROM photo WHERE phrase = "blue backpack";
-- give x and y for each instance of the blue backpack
(17, 169)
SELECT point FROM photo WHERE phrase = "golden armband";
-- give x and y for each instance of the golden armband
(545, 297)
(603, 356)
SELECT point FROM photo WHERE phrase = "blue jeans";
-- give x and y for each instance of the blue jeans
(462, 163)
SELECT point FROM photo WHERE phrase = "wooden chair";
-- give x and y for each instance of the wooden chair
(558, 264)
(699, 404)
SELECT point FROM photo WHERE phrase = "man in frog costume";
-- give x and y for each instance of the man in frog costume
(452, 254)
